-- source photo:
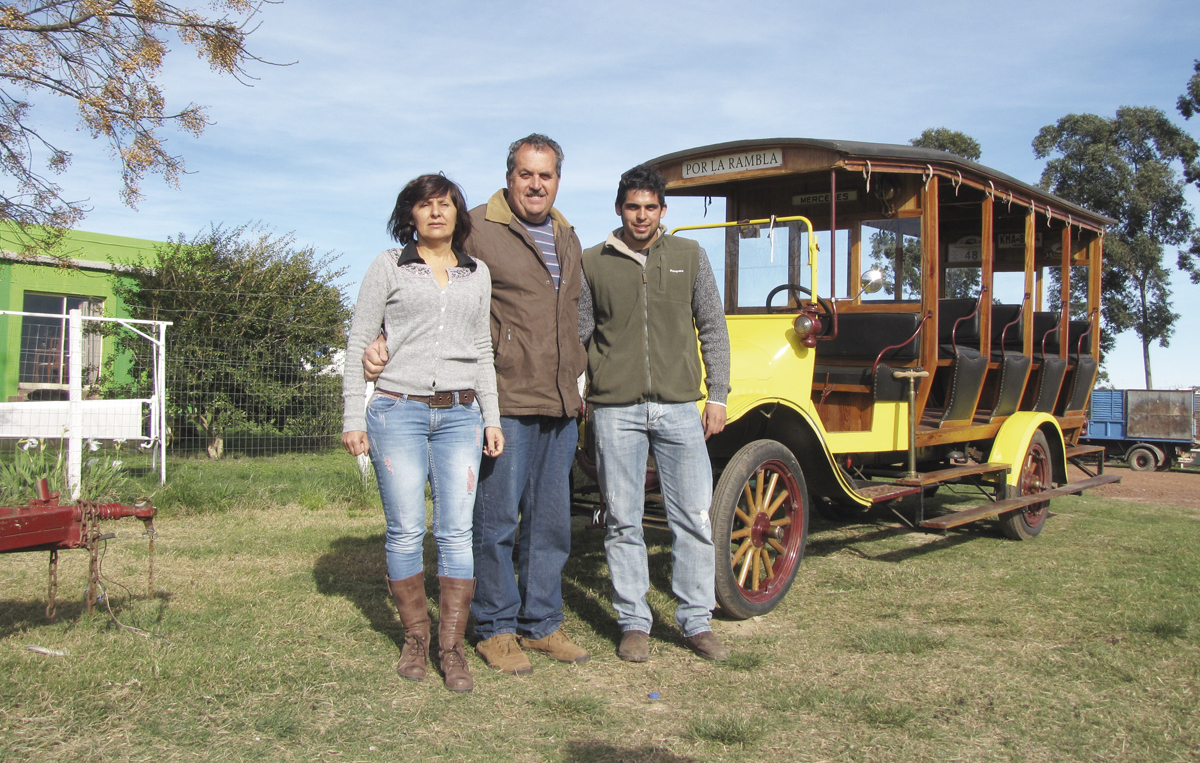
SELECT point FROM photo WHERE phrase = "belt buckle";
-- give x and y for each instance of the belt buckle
(441, 400)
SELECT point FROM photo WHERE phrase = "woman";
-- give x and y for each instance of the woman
(434, 406)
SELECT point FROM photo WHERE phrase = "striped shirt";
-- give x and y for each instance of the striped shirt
(543, 236)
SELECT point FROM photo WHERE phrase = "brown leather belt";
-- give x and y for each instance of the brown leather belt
(437, 399)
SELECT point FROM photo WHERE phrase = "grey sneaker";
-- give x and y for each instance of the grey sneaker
(707, 646)
(635, 646)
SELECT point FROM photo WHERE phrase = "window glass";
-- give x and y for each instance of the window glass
(894, 246)
(44, 357)
(762, 264)
(1008, 287)
(837, 283)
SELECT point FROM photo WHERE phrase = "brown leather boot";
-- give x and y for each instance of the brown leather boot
(454, 605)
(409, 595)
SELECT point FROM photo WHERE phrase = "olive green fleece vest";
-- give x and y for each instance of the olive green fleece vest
(644, 345)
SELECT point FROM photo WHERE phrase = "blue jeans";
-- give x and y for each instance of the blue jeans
(524, 500)
(674, 432)
(411, 443)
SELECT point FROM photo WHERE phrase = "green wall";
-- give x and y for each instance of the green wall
(90, 274)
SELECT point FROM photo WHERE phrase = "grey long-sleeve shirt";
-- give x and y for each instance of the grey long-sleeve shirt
(438, 339)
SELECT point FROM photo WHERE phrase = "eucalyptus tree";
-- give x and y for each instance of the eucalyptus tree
(945, 139)
(1133, 167)
(1189, 104)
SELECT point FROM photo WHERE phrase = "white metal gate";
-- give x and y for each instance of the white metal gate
(77, 419)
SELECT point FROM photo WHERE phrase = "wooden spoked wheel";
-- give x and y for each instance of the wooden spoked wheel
(1036, 475)
(760, 524)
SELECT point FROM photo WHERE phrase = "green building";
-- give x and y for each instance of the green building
(33, 351)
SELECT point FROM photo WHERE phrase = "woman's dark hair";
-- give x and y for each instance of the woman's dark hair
(401, 226)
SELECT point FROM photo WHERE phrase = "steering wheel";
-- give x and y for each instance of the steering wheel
(798, 290)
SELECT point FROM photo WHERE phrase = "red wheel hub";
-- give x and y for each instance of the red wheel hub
(761, 530)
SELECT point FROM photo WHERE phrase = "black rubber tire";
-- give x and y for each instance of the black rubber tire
(753, 480)
(1036, 473)
(1142, 460)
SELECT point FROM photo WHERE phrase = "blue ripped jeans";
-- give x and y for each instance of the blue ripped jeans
(412, 443)
(674, 432)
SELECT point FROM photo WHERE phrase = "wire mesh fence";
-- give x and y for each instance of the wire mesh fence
(224, 398)
(236, 397)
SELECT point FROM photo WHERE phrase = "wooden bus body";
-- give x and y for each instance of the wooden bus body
(971, 366)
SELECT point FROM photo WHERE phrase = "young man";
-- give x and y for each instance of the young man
(524, 496)
(645, 297)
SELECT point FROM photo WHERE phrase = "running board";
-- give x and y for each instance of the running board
(885, 491)
(881, 492)
(1076, 454)
(953, 473)
(989, 510)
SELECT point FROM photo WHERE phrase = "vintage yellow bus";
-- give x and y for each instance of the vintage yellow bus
(964, 354)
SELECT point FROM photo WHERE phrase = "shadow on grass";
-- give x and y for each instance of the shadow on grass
(354, 568)
(873, 529)
(20, 616)
(585, 575)
(948, 541)
(602, 752)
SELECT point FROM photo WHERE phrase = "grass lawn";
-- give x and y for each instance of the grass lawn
(278, 643)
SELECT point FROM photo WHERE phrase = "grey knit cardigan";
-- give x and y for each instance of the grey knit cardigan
(438, 339)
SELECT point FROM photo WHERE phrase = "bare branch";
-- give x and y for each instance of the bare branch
(106, 56)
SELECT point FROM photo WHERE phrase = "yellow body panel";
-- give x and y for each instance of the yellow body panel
(889, 431)
(1013, 439)
(768, 364)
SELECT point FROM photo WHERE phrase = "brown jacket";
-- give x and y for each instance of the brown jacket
(534, 327)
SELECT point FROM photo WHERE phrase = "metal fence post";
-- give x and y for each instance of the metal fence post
(75, 407)
(160, 392)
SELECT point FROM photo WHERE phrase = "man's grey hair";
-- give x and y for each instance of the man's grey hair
(537, 142)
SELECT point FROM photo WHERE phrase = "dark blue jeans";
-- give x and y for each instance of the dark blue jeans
(524, 494)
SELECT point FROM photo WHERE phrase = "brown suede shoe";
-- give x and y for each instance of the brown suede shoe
(556, 645)
(635, 646)
(707, 646)
(502, 653)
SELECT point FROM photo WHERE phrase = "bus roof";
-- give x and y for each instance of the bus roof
(811, 155)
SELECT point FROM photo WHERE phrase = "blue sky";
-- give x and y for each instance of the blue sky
(321, 147)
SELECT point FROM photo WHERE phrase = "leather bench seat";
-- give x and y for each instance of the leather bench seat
(861, 338)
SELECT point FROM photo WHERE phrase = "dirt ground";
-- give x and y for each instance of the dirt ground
(1175, 488)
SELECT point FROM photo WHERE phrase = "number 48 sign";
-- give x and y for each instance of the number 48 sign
(967, 251)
